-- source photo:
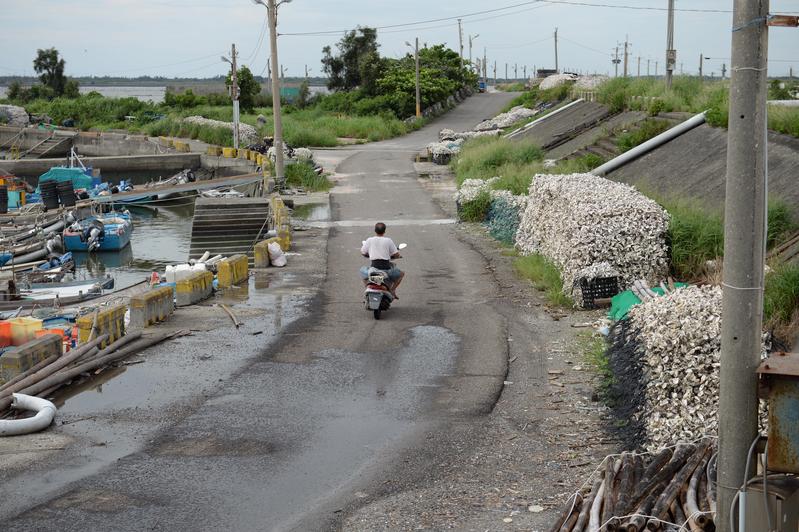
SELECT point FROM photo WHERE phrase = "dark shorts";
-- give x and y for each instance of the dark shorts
(393, 274)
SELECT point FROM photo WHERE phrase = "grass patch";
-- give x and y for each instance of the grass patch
(545, 276)
(594, 350)
(486, 157)
(781, 301)
(477, 209)
(511, 87)
(534, 97)
(648, 129)
(302, 174)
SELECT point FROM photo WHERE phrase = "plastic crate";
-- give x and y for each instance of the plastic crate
(598, 288)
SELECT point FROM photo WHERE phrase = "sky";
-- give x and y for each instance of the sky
(185, 38)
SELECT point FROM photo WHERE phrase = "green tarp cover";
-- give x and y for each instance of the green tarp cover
(61, 173)
(621, 303)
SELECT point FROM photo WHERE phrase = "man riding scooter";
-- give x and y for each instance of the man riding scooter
(380, 249)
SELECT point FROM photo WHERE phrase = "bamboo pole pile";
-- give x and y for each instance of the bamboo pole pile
(56, 371)
(673, 488)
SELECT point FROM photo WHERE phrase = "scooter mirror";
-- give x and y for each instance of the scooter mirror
(402, 246)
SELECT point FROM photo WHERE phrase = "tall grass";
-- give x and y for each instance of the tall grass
(545, 276)
(648, 129)
(781, 301)
(486, 157)
(302, 174)
(533, 97)
(175, 127)
(477, 209)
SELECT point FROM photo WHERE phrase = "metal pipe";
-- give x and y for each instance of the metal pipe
(45, 412)
(536, 121)
(650, 145)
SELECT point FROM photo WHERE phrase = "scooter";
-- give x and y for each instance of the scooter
(377, 295)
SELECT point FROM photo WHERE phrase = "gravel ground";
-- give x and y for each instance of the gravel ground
(514, 468)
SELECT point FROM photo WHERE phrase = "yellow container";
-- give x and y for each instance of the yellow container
(230, 153)
(214, 150)
(232, 270)
(244, 153)
(110, 321)
(23, 329)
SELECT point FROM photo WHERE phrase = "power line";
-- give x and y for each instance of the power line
(254, 55)
(505, 47)
(471, 20)
(636, 8)
(217, 54)
(584, 46)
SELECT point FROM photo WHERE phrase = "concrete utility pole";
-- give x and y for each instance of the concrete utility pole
(723, 70)
(626, 53)
(515, 71)
(556, 51)
(639, 66)
(671, 53)
(271, 9)
(282, 74)
(485, 68)
(418, 89)
(269, 74)
(647, 67)
(506, 72)
(525, 72)
(471, 64)
(495, 73)
(616, 61)
(460, 40)
(744, 250)
(701, 66)
(234, 93)
(656, 69)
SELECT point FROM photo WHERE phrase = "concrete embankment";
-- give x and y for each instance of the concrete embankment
(160, 162)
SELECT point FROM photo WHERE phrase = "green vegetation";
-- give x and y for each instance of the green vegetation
(781, 301)
(477, 209)
(545, 276)
(514, 162)
(248, 87)
(534, 97)
(696, 236)
(648, 129)
(511, 87)
(594, 351)
(302, 174)
(50, 68)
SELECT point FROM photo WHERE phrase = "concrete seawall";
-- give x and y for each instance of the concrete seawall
(166, 161)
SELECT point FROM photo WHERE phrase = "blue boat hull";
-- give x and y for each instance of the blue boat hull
(115, 238)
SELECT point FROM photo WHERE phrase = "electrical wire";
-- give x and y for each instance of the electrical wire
(254, 55)
(217, 54)
(583, 46)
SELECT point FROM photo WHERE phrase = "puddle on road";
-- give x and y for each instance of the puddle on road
(312, 212)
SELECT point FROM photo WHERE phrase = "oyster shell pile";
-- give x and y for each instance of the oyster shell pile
(504, 120)
(471, 188)
(579, 220)
(247, 133)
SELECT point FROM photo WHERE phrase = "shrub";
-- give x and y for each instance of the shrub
(648, 129)
(484, 157)
(302, 174)
(781, 301)
(477, 209)
(696, 236)
(781, 222)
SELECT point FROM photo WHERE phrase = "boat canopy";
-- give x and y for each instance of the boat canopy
(62, 173)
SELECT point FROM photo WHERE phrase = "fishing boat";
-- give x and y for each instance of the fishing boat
(66, 290)
(104, 232)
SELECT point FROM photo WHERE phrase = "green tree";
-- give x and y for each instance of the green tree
(51, 70)
(71, 88)
(345, 70)
(249, 88)
(304, 97)
(14, 91)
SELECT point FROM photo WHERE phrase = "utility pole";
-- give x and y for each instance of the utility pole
(269, 73)
(656, 69)
(556, 51)
(723, 70)
(282, 74)
(418, 89)
(525, 72)
(616, 61)
(515, 71)
(460, 40)
(681, 69)
(701, 65)
(306, 72)
(506, 72)
(471, 65)
(234, 94)
(639, 66)
(485, 68)
(647, 67)
(280, 173)
(744, 250)
(495, 73)
(626, 53)
(671, 53)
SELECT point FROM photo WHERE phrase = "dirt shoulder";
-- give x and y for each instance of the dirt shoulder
(512, 469)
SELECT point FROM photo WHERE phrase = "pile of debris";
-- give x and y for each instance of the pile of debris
(665, 359)
(247, 133)
(449, 134)
(676, 487)
(504, 120)
(556, 80)
(472, 188)
(503, 215)
(590, 82)
(578, 220)
(14, 115)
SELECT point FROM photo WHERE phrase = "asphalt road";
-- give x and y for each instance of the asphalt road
(317, 415)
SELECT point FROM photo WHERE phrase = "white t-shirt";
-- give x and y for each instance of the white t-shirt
(379, 248)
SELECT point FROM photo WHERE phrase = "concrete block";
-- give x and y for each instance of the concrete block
(182, 146)
(229, 153)
(243, 153)
(194, 288)
(262, 253)
(151, 307)
(19, 359)
(110, 321)
(232, 271)
(282, 223)
(214, 150)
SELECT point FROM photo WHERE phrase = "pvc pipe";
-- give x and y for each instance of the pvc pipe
(204, 257)
(537, 120)
(651, 144)
(45, 412)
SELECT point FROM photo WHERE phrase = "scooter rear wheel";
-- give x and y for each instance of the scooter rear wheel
(377, 313)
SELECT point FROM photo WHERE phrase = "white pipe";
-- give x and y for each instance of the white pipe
(45, 412)
(651, 144)
(204, 257)
(537, 120)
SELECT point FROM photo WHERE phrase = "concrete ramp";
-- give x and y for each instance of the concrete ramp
(604, 129)
(694, 166)
(228, 226)
(557, 129)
